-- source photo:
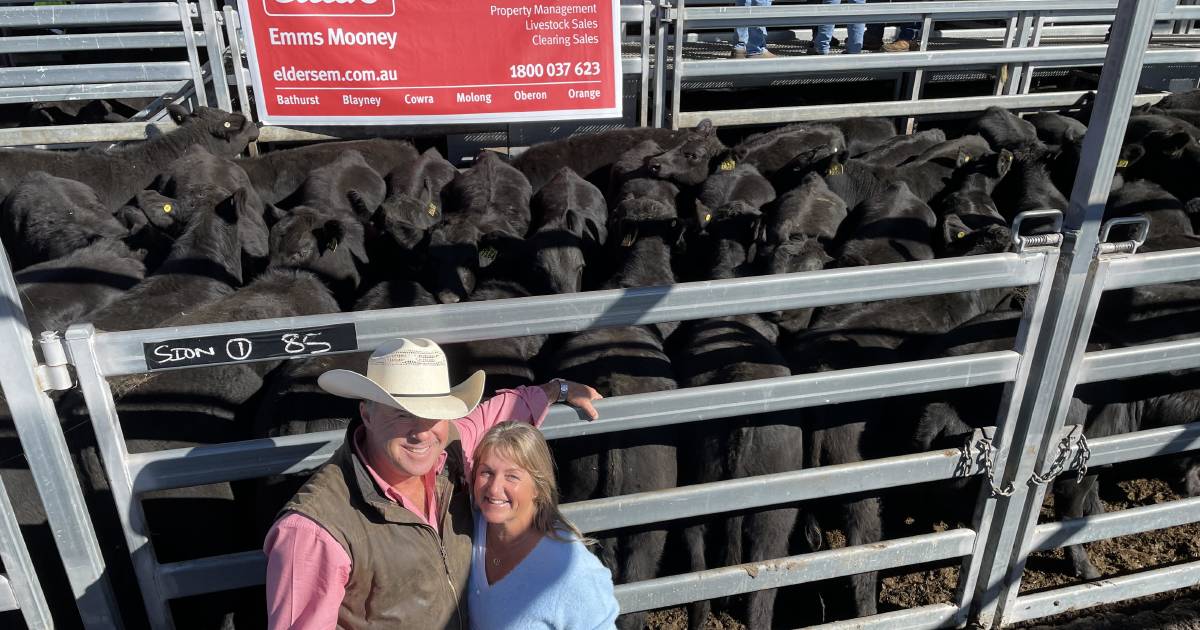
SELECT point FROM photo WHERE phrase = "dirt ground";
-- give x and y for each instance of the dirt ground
(1120, 489)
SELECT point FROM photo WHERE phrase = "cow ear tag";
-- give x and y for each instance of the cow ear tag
(487, 256)
(630, 239)
(836, 169)
(167, 208)
(728, 165)
(1122, 163)
(431, 209)
(227, 124)
(961, 235)
(707, 217)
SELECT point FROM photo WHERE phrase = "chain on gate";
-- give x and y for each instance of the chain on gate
(984, 448)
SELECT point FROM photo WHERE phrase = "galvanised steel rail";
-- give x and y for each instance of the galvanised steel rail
(1021, 53)
(98, 355)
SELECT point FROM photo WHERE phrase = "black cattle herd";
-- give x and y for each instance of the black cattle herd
(179, 230)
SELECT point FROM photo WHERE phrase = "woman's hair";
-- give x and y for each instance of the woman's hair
(524, 446)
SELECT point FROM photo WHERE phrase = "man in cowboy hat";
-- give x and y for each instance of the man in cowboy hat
(380, 535)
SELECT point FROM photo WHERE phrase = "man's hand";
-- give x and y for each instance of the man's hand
(579, 396)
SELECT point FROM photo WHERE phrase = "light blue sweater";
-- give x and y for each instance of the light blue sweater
(558, 586)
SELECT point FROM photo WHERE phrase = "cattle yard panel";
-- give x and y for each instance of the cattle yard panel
(163, 80)
(25, 384)
(98, 355)
(1115, 270)
(1021, 52)
(20, 589)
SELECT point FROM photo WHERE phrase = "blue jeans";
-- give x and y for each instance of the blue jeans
(854, 33)
(907, 32)
(753, 39)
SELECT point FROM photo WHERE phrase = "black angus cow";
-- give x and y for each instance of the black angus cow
(279, 174)
(118, 174)
(491, 196)
(900, 149)
(730, 350)
(413, 206)
(591, 155)
(570, 228)
(47, 217)
(204, 265)
(622, 361)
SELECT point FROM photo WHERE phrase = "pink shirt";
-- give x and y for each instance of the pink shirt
(307, 570)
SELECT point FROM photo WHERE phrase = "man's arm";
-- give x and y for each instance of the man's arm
(307, 572)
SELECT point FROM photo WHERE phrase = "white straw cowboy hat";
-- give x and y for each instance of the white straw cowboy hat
(408, 374)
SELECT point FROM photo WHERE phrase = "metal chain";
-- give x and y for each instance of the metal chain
(1060, 459)
(985, 457)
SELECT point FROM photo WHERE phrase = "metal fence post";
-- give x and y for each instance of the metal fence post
(110, 440)
(26, 589)
(1009, 521)
(50, 463)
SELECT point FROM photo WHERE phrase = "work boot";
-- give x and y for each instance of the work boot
(900, 45)
(737, 53)
(765, 54)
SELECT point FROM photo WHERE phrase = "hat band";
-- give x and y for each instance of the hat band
(418, 395)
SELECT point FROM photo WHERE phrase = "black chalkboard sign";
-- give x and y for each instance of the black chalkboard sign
(190, 351)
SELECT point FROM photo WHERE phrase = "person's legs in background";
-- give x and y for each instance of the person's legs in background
(751, 41)
(823, 34)
(906, 38)
(854, 34)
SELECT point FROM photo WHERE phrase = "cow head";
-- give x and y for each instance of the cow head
(221, 132)
(689, 163)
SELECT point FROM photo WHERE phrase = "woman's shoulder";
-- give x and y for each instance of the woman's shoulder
(576, 555)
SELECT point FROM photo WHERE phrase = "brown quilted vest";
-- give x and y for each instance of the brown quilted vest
(402, 575)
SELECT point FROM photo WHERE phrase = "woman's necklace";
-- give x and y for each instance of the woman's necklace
(517, 544)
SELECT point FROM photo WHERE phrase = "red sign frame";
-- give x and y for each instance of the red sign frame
(353, 62)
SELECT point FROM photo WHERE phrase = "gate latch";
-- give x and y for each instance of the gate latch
(1141, 229)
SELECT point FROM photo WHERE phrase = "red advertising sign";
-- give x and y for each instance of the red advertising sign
(332, 62)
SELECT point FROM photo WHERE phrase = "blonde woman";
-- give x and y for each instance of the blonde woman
(529, 567)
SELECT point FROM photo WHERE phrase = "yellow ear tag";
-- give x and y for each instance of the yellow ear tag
(628, 240)
(961, 235)
(333, 246)
(228, 125)
(966, 158)
(167, 208)
(728, 164)
(707, 218)
(487, 256)
(1122, 163)
(836, 169)
(431, 209)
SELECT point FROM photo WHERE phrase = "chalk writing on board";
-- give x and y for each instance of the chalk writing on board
(216, 349)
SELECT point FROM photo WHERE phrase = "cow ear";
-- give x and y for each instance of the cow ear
(1130, 153)
(953, 229)
(274, 214)
(597, 231)
(627, 231)
(704, 214)
(1074, 135)
(329, 236)
(177, 113)
(1004, 162)
(228, 210)
(361, 210)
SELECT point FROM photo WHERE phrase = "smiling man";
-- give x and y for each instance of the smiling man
(380, 535)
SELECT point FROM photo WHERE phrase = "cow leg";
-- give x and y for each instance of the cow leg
(639, 557)
(694, 540)
(864, 525)
(1075, 500)
(767, 537)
